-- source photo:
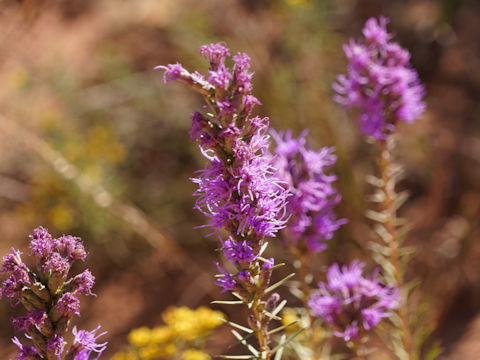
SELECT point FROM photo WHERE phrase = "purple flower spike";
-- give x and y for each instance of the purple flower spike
(380, 82)
(351, 303)
(49, 296)
(308, 175)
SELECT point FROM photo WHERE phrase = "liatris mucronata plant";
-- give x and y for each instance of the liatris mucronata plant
(386, 90)
(237, 191)
(51, 298)
(352, 304)
(309, 177)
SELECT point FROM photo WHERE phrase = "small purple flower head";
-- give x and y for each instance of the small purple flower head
(56, 264)
(215, 53)
(55, 346)
(380, 82)
(86, 341)
(33, 319)
(172, 72)
(351, 303)
(41, 242)
(68, 305)
(25, 352)
(70, 247)
(13, 285)
(309, 178)
(82, 283)
(225, 281)
(220, 77)
(12, 261)
(238, 251)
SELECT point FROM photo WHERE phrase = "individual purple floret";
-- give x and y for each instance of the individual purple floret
(50, 298)
(309, 178)
(350, 303)
(85, 344)
(380, 81)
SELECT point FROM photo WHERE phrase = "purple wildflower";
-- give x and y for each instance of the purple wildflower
(68, 305)
(380, 82)
(82, 283)
(41, 242)
(308, 175)
(351, 303)
(50, 298)
(26, 352)
(225, 280)
(55, 346)
(215, 53)
(238, 251)
(32, 319)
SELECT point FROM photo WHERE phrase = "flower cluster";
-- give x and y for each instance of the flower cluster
(184, 328)
(351, 303)
(50, 297)
(380, 81)
(309, 178)
(237, 190)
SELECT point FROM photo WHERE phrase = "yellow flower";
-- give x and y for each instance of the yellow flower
(139, 337)
(124, 356)
(190, 324)
(161, 334)
(195, 355)
(288, 316)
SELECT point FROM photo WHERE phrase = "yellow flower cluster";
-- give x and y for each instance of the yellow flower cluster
(184, 329)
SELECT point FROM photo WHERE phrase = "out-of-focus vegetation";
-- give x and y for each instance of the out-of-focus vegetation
(93, 143)
(183, 336)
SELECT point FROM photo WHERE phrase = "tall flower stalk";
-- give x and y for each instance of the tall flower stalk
(381, 84)
(51, 299)
(237, 190)
(308, 175)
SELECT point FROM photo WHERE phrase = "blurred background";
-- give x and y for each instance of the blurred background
(92, 143)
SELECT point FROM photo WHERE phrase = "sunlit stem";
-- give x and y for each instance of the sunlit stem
(388, 173)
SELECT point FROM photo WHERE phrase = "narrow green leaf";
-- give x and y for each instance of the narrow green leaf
(238, 326)
(282, 344)
(280, 328)
(278, 355)
(279, 283)
(227, 302)
(243, 341)
(279, 307)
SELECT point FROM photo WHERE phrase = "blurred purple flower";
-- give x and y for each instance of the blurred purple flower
(351, 303)
(308, 176)
(380, 81)
(49, 297)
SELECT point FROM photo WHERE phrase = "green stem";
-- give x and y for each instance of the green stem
(388, 183)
